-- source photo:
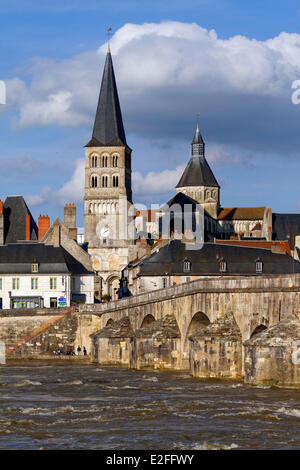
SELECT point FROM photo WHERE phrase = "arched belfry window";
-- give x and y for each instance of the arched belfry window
(94, 161)
(94, 181)
(115, 181)
(115, 159)
(104, 161)
(104, 181)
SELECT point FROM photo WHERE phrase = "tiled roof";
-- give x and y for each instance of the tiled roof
(241, 213)
(147, 214)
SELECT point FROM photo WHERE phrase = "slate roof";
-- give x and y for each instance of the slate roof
(108, 125)
(197, 137)
(205, 261)
(18, 258)
(197, 173)
(284, 225)
(241, 213)
(181, 199)
(15, 211)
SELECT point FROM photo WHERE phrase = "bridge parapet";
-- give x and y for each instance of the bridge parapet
(218, 284)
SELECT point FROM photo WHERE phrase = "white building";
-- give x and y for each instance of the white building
(37, 275)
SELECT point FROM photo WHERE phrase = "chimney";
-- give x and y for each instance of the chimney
(27, 232)
(56, 235)
(70, 220)
(43, 225)
(1, 224)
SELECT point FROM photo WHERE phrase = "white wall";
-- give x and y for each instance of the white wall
(83, 285)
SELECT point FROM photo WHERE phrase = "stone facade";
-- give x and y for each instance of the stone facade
(216, 350)
(38, 332)
(272, 357)
(156, 345)
(111, 345)
(253, 302)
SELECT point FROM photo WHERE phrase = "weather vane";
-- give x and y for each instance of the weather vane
(109, 33)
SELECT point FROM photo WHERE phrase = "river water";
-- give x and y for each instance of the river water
(59, 405)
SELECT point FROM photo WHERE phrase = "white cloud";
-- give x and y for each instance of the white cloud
(182, 57)
(156, 183)
(73, 190)
(56, 110)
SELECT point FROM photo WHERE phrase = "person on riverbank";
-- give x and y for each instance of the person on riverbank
(84, 351)
(79, 351)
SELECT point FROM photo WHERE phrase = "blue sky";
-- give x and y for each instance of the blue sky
(169, 66)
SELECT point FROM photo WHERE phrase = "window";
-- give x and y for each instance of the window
(104, 181)
(186, 266)
(115, 181)
(94, 161)
(104, 161)
(94, 181)
(34, 283)
(0, 283)
(165, 282)
(73, 283)
(258, 266)
(53, 283)
(115, 161)
(34, 268)
(16, 283)
(223, 266)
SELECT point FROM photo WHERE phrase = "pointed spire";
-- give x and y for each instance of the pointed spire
(197, 171)
(108, 126)
(198, 145)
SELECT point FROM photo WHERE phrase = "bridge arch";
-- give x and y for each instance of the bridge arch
(258, 330)
(148, 319)
(198, 321)
(109, 322)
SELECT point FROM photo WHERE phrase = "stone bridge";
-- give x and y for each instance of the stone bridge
(256, 302)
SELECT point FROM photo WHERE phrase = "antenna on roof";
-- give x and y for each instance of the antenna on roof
(109, 33)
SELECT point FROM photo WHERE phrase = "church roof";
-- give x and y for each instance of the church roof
(108, 125)
(197, 137)
(181, 199)
(241, 213)
(197, 173)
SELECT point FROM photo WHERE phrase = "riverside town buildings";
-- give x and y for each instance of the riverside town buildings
(59, 265)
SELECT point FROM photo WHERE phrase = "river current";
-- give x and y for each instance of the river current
(60, 405)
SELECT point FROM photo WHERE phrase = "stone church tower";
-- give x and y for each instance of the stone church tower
(198, 180)
(108, 209)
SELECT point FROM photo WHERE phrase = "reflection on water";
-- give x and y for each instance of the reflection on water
(76, 406)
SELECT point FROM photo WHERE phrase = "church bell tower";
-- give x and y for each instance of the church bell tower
(108, 209)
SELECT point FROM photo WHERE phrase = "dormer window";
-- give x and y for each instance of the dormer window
(258, 266)
(223, 266)
(34, 268)
(186, 266)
